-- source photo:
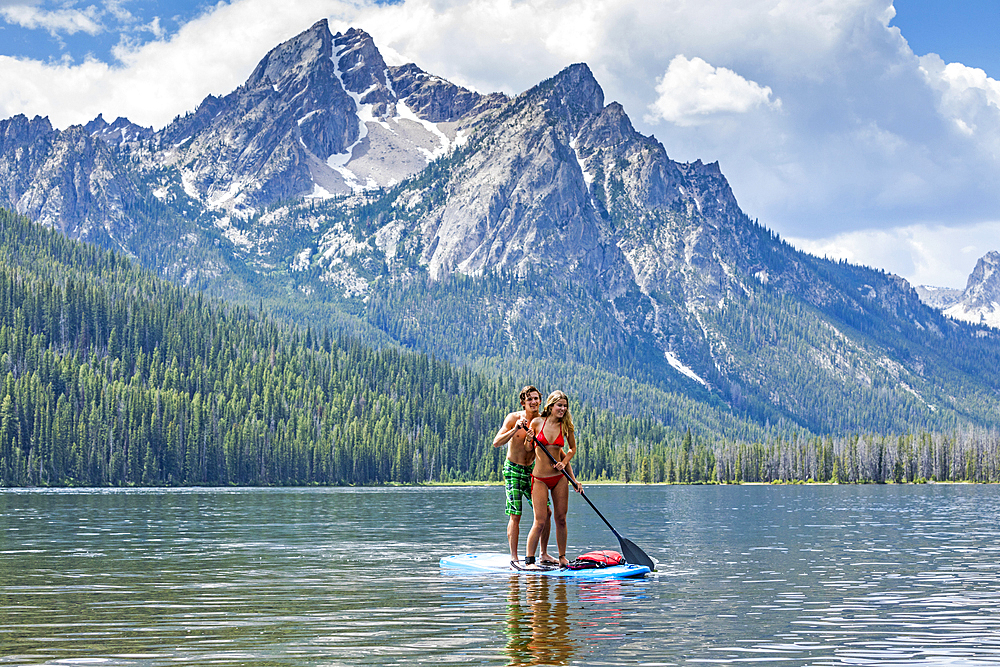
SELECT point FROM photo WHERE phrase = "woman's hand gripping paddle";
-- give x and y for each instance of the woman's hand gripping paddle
(632, 553)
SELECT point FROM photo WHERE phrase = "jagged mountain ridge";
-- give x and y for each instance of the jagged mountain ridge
(980, 302)
(320, 116)
(540, 231)
(71, 180)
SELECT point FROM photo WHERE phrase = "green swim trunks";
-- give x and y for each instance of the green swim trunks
(517, 480)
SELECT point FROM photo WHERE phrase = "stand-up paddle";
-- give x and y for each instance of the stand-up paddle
(632, 553)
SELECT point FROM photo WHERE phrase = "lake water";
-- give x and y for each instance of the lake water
(789, 575)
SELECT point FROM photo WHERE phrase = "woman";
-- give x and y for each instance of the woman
(555, 435)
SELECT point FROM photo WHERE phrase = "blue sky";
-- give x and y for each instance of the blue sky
(862, 129)
(957, 30)
(964, 31)
(52, 31)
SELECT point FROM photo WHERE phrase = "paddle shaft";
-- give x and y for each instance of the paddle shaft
(576, 486)
(631, 551)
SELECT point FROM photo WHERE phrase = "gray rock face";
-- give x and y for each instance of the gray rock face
(979, 303)
(69, 180)
(319, 117)
(520, 198)
(556, 179)
(938, 297)
(436, 100)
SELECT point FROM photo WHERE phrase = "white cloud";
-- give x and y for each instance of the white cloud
(154, 28)
(691, 90)
(967, 96)
(118, 10)
(66, 21)
(925, 254)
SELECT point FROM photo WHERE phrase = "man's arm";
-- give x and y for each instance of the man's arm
(507, 429)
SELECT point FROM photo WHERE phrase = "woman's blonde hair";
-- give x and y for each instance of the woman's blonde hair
(567, 421)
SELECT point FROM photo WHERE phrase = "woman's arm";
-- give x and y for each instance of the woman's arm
(534, 428)
(568, 451)
(576, 483)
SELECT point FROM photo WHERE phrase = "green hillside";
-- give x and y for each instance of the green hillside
(112, 376)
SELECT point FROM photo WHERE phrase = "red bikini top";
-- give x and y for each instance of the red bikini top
(541, 436)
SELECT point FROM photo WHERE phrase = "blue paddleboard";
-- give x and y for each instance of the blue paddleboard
(494, 563)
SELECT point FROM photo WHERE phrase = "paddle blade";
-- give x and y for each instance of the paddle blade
(634, 555)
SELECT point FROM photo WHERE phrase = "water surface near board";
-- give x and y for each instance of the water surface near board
(790, 575)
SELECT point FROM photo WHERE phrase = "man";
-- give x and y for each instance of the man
(517, 435)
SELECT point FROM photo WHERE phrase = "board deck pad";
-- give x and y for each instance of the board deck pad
(495, 563)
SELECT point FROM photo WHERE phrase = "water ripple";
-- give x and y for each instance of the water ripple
(767, 575)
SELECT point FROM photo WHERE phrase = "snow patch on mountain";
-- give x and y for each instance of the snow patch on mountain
(987, 314)
(305, 118)
(588, 176)
(403, 112)
(338, 161)
(681, 368)
(319, 192)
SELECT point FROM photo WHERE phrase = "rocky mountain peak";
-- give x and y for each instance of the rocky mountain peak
(572, 96)
(610, 127)
(577, 88)
(319, 117)
(363, 71)
(984, 281)
(18, 130)
(292, 60)
(121, 131)
(979, 303)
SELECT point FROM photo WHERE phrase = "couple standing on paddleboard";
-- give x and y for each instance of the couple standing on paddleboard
(540, 446)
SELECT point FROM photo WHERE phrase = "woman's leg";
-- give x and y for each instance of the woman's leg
(560, 503)
(539, 503)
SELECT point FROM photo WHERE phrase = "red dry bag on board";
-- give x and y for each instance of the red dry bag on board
(597, 559)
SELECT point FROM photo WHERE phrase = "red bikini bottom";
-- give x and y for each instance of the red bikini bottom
(550, 482)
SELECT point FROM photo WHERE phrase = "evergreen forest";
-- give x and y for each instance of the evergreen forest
(112, 376)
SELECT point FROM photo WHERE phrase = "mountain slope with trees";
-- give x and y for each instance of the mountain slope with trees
(535, 236)
(111, 376)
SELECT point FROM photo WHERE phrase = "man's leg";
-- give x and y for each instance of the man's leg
(514, 481)
(513, 534)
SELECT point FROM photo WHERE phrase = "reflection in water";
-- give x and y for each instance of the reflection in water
(538, 628)
(604, 598)
(884, 576)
